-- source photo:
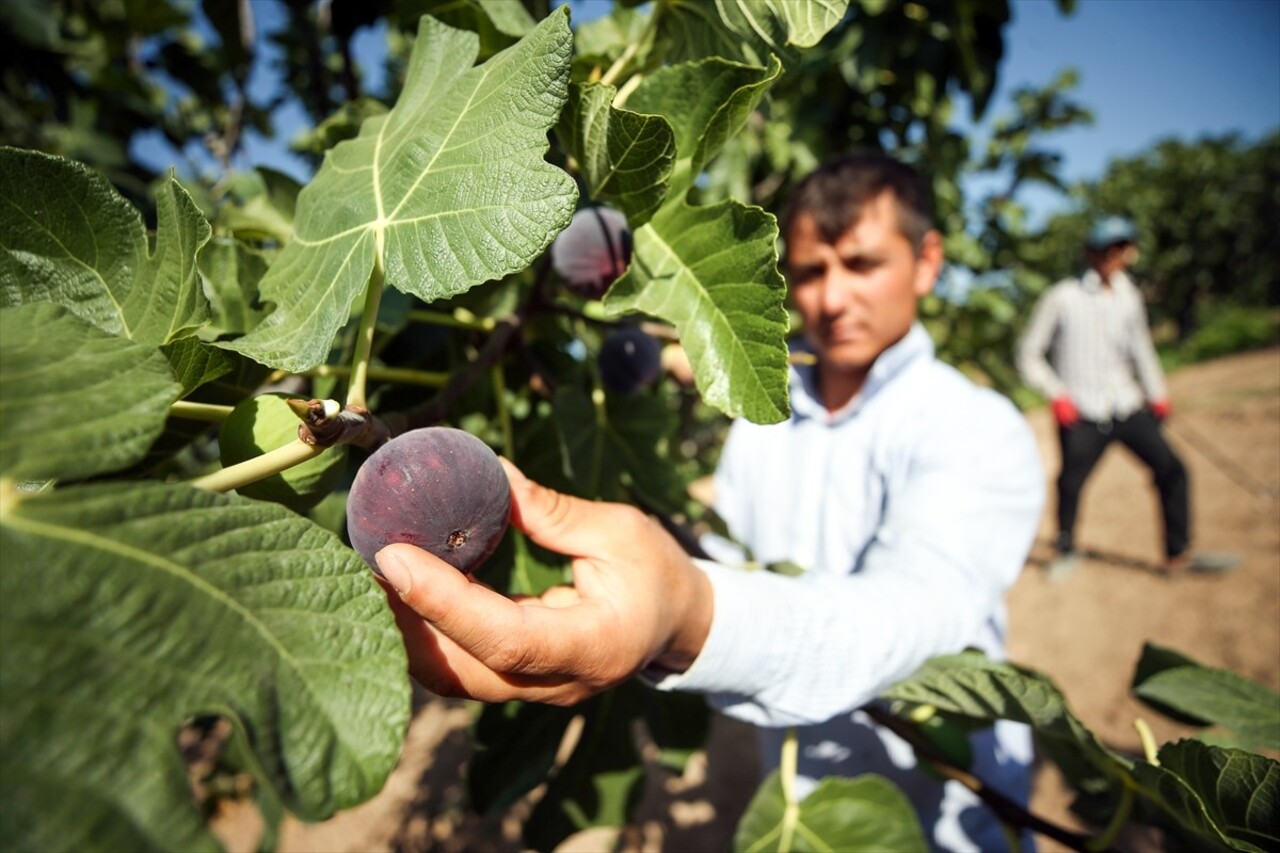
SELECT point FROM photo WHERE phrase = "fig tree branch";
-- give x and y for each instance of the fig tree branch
(437, 408)
(1006, 809)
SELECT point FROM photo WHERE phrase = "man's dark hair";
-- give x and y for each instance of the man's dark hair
(835, 193)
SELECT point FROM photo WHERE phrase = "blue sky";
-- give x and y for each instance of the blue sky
(1149, 70)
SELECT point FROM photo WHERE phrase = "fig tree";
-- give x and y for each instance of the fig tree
(630, 359)
(439, 488)
(593, 251)
(264, 423)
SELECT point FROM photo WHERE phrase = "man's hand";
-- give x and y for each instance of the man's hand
(1065, 412)
(636, 598)
(1161, 408)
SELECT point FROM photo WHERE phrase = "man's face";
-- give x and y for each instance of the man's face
(857, 296)
(1112, 259)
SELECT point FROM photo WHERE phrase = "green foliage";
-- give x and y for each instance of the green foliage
(1223, 329)
(417, 191)
(70, 238)
(868, 813)
(130, 609)
(1223, 796)
(263, 423)
(411, 274)
(1204, 212)
(76, 401)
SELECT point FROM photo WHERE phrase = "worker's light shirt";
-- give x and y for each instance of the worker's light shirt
(912, 509)
(1090, 342)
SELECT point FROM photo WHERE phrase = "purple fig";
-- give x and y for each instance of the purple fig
(630, 359)
(439, 488)
(593, 251)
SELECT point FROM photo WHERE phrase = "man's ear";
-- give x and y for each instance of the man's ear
(928, 263)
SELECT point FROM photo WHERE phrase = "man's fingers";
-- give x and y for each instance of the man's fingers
(505, 636)
(446, 669)
(559, 522)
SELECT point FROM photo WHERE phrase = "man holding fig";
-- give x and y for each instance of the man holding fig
(1088, 349)
(908, 494)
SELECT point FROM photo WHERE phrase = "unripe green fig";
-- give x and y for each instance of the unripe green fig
(439, 488)
(263, 423)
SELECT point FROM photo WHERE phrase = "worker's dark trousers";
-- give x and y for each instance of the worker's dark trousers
(1082, 446)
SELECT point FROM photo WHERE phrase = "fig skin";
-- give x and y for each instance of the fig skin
(439, 488)
(264, 423)
(630, 359)
(593, 251)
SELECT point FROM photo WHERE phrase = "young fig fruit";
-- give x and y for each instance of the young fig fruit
(593, 251)
(439, 488)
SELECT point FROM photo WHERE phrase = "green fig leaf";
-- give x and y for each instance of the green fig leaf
(74, 400)
(69, 238)
(195, 363)
(498, 23)
(706, 103)
(159, 603)
(726, 305)
(747, 30)
(450, 188)
(971, 685)
(1227, 796)
(624, 157)
(231, 271)
(606, 449)
(868, 813)
(267, 214)
(1172, 683)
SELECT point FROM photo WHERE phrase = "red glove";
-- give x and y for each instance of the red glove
(1161, 408)
(1065, 411)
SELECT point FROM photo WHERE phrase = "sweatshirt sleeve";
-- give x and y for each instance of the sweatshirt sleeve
(797, 650)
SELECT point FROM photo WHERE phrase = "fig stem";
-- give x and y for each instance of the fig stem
(368, 325)
(787, 775)
(199, 411)
(457, 320)
(405, 375)
(251, 470)
(619, 65)
(1118, 820)
(504, 413)
(1149, 749)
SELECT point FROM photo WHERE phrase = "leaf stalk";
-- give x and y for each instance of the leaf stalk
(200, 411)
(787, 771)
(404, 375)
(260, 467)
(459, 319)
(504, 412)
(368, 326)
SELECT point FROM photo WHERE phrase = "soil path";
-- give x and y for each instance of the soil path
(1085, 631)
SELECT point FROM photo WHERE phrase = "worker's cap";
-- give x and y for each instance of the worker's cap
(1109, 230)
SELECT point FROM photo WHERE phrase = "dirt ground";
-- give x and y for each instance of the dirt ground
(1085, 631)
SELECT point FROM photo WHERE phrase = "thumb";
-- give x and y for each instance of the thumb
(562, 523)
